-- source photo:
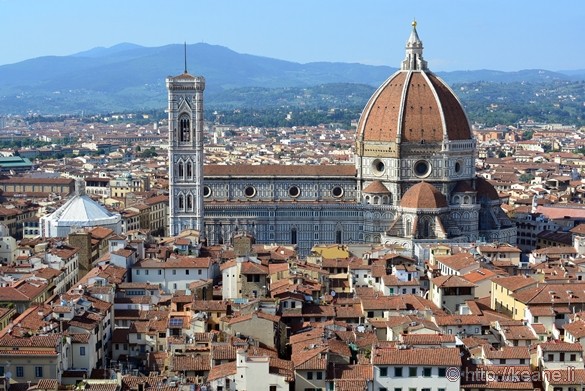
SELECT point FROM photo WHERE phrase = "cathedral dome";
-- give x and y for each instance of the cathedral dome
(413, 105)
(423, 195)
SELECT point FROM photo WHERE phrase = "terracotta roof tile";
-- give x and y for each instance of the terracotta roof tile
(423, 195)
(436, 357)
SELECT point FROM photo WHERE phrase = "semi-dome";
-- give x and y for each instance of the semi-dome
(423, 195)
(413, 105)
(486, 190)
(376, 187)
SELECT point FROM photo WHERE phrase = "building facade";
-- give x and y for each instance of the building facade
(413, 180)
(185, 109)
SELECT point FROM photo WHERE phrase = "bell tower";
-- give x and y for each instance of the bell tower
(185, 119)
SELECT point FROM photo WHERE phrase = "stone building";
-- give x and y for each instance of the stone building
(413, 181)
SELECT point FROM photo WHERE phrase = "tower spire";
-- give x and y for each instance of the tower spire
(186, 57)
(414, 48)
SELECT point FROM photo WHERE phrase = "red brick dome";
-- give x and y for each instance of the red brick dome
(413, 105)
(423, 195)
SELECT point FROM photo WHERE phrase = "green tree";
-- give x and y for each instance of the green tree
(526, 177)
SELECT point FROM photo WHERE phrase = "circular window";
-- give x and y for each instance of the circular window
(294, 191)
(422, 168)
(378, 166)
(250, 191)
(206, 191)
(337, 191)
(458, 167)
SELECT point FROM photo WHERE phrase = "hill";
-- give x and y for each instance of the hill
(129, 77)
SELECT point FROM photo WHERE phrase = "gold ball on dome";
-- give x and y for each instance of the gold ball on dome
(413, 23)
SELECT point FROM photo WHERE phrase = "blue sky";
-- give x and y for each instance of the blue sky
(504, 35)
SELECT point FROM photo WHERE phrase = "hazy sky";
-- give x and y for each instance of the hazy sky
(457, 34)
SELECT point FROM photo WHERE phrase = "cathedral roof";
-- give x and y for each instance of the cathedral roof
(463, 187)
(376, 187)
(279, 170)
(486, 189)
(423, 195)
(413, 105)
(183, 76)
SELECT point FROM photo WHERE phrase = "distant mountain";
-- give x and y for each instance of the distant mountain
(526, 75)
(131, 77)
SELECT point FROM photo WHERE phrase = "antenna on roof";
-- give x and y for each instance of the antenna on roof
(185, 56)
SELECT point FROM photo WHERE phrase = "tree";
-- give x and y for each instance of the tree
(526, 177)
(150, 152)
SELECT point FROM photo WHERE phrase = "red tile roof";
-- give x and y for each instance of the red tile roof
(413, 356)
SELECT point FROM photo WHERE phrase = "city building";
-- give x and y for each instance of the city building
(79, 211)
(413, 181)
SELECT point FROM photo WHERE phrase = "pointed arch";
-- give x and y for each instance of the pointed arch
(407, 226)
(189, 169)
(184, 128)
(181, 201)
(181, 169)
(338, 233)
(426, 228)
(189, 202)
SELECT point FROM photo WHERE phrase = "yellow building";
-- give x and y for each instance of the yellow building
(128, 183)
(503, 289)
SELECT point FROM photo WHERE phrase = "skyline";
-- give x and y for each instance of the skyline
(457, 35)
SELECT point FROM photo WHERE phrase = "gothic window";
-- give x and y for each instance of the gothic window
(184, 129)
(181, 170)
(189, 170)
(338, 236)
(181, 202)
(189, 202)
(293, 236)
(407, 227)
(426, 228)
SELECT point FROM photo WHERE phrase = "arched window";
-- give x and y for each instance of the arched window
(181, 202)
(293, 236)
(181, 170)
(189, 170)
(189, 202)
(338, 236)
(407, 227)
(184, 129)
(426, 228)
